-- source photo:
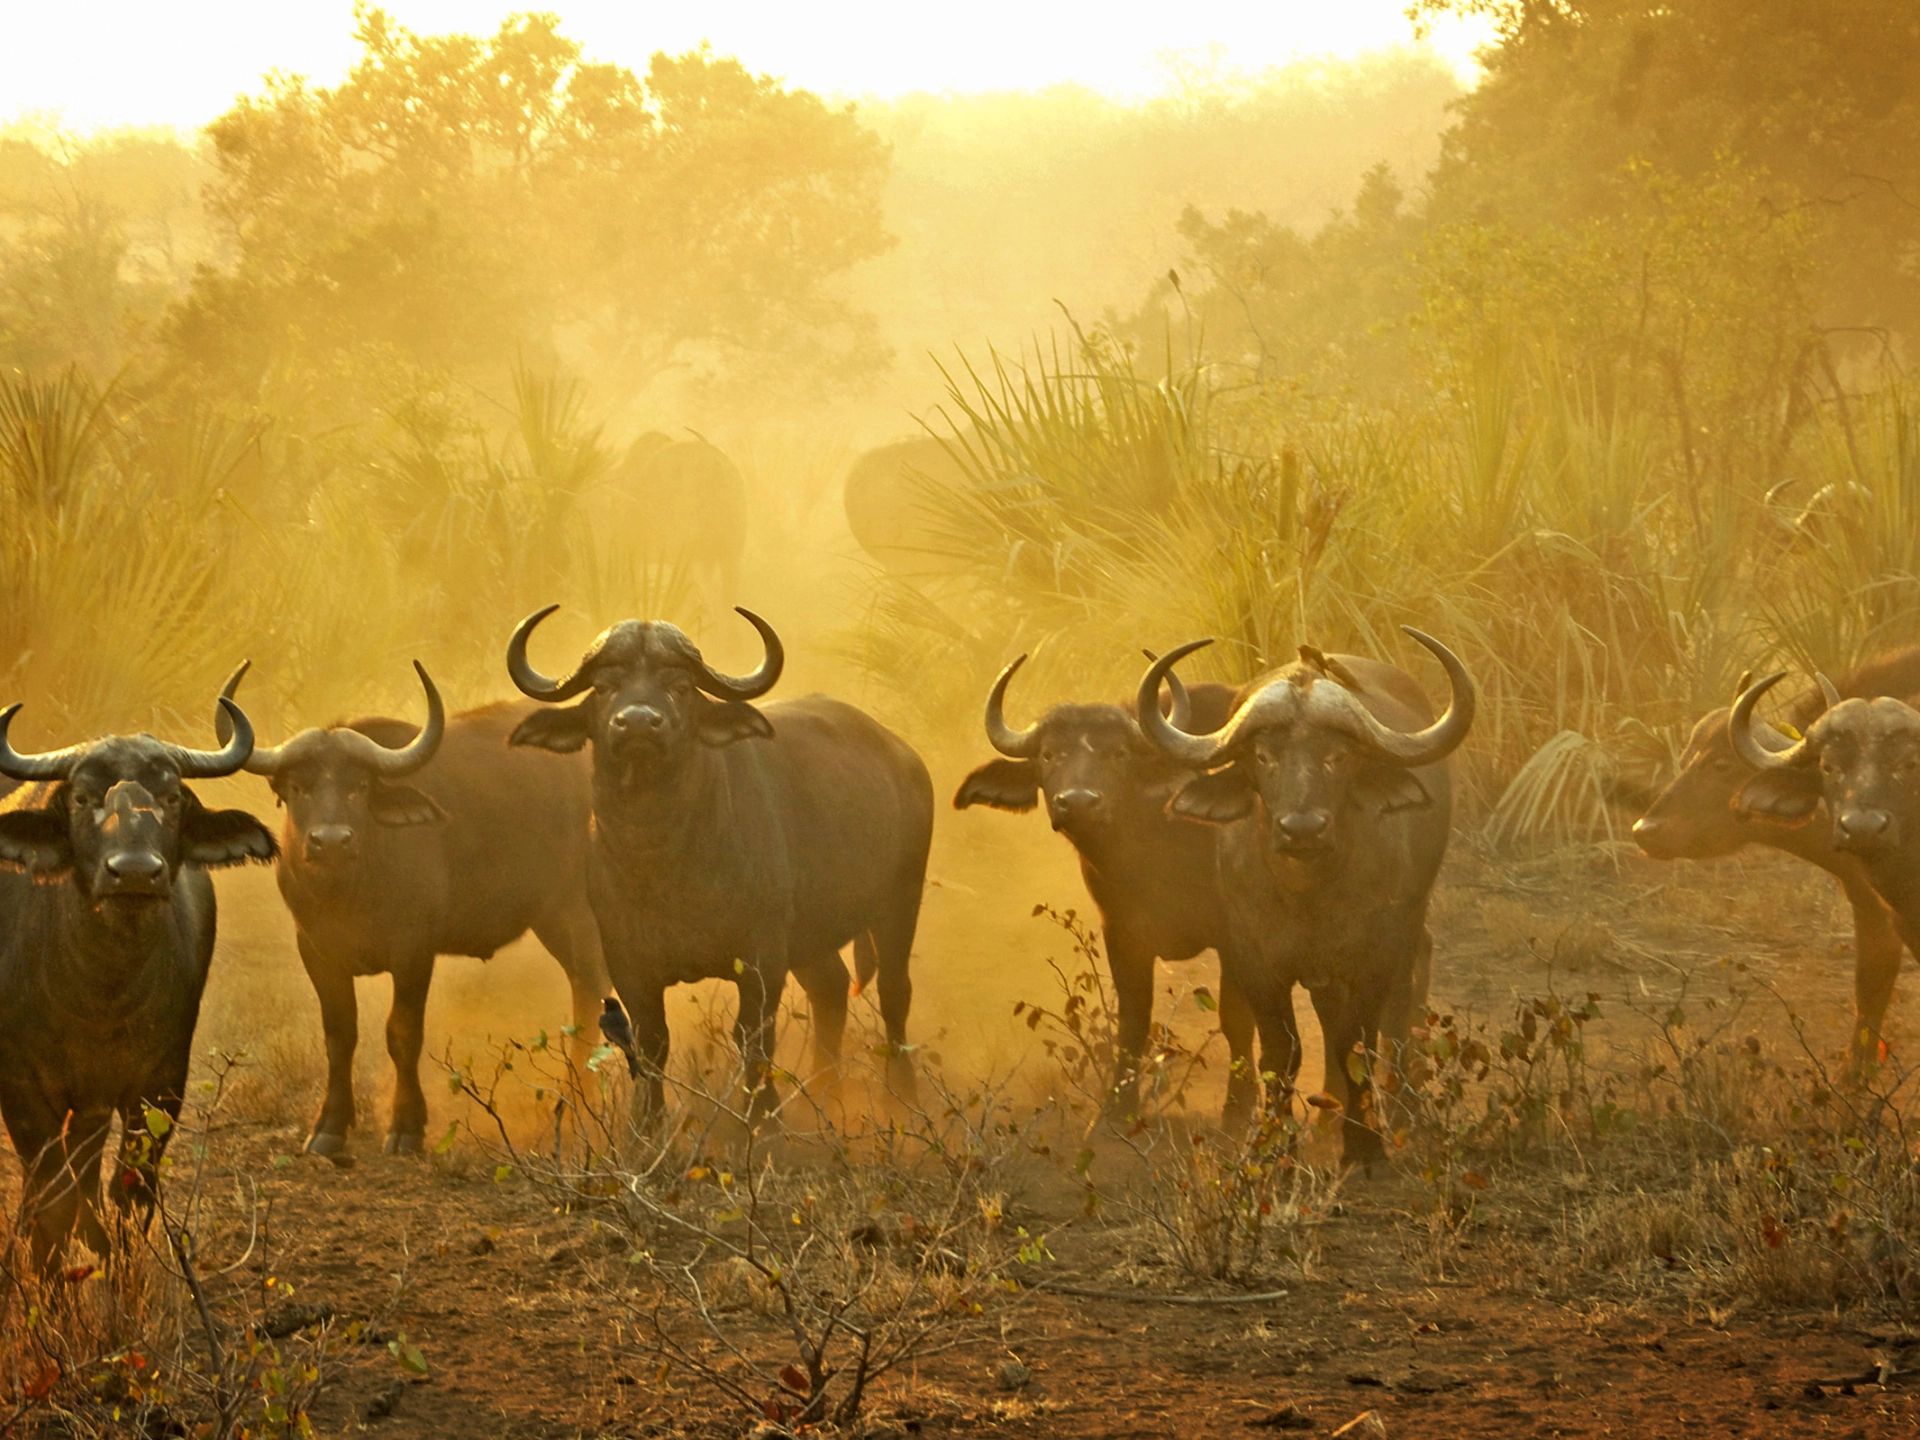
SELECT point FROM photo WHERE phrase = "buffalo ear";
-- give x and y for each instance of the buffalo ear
(1784, 797)
(1216, 799)
(213, 839)
(398, 805)
(1004, 784)
(727, 721)
(34, 837)
(562, 729)
(1387, 788)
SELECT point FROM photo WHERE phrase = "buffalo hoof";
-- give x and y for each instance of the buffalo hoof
(326, 1142)
(400, 1144)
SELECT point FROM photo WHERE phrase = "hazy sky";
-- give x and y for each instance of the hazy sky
(181, 62)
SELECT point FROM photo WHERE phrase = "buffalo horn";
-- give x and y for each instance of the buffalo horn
(1828, 691)
(53, 765)
(1443, 737)
(745, 687)
(1181, 709)
(388, 764)
(1017, 744)
(192, 764)
(1169, 737)
(530, 680)
(1747, 745)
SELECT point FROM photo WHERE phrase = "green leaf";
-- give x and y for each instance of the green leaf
(445, 1143)
(408, 1357)
(502, 1173)
(1203, 997)
(159, 1123)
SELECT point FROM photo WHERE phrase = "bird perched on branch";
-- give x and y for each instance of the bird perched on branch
(619, 1032)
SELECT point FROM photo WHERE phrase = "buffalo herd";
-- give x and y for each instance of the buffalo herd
(652, 822)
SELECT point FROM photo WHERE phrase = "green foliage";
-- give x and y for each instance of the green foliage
(456, 199)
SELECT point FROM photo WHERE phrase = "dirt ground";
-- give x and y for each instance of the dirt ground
(504, 1295)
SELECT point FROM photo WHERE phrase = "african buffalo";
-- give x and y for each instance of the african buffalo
(1151, 876)
(480, 845)
(104, 947)
(890, 496)
(735, 843)
(678, 499)
(1696, 818)
(1862, 758)
(1330, 786)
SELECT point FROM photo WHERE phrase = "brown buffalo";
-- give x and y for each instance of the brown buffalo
(403, 843)
(1330, 788)
(1697, 817)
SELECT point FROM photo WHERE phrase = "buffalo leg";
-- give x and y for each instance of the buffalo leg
(1348, 1020)
(573, 938)
(892, 932)
(647, 1012)
(825, 981)
(1878, 952)
(1243, 1080)
(1279, 1044)
(406, 1030)
(340, 1020)
(760, 987)
(1132, 969)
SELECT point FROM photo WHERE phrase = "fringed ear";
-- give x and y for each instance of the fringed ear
(214, 839)
(1003, 784)
(1387, 788)
(1217, 799)
(37, 842)
(562, 729)
(399, 805)
(1781, 797)
(728, 722)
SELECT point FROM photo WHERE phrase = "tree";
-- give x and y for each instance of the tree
(455, 201)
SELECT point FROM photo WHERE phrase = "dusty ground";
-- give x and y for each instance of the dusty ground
(504, 1295)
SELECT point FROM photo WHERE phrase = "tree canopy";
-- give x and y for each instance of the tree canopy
(456, 200)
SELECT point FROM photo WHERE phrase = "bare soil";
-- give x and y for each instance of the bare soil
(505, 1296)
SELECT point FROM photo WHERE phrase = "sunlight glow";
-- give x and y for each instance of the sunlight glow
(94, 63)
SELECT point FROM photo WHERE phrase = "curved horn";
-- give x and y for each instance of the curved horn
(1750, 749)
(1828, 690)
(1181, 710)
(1168, 737)
(392, 764)
(53, 765)
(265, 759)
(211, 764)
(1015, 744)
(747, 687)
(530, 680)
(1443, 737)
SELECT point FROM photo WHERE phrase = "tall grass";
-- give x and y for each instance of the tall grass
(1531, 515)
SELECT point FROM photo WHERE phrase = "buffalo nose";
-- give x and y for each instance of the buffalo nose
(330, 837)
(1303, 824)
(1863, 824)
(1076, 802)
(141, 865)
(637, 719)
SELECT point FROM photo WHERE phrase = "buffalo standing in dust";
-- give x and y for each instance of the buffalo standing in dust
(104, 949)
(1696, 818)
(891, 497)
(1330, 787)
(735, 843)
(1862, 758)
(1151, 875)
(481, 845)
(679, 500)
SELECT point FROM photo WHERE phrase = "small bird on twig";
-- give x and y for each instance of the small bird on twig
(619, 1032)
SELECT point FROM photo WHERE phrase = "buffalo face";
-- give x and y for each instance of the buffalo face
(1694, 817)
(1089, 766)
(647, 700)
(1861, 756)
(121, 824)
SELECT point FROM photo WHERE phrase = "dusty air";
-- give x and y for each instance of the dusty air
(1188, 723)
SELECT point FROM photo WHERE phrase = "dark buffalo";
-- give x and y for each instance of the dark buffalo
(890, 495)
(1330, 787)
(104, 949)
(1862, 758)
(479, 845)
(1696, 818)
(1151, 875)
(679, 500)
(735, 843)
